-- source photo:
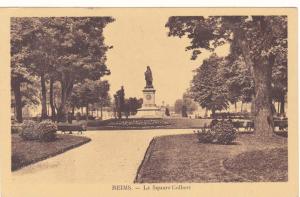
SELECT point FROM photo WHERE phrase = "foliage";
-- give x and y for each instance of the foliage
(47, 130)
(204, 136)
(167, 112)
(119, 102)
(184, 111)
(90, 92)
(29, 130)
(208, 86)
(64, 49)
(238, 80)
(131, 105)
(222, 132)
(265, 35)
(260, 40)
(191, 106)
(43, 131)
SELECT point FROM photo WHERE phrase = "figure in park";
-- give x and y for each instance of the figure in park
(148, 78)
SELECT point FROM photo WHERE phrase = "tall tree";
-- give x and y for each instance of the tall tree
(131, 105)
(191, 106)
(101, 91)
(90, 93)
(259, 39)
(279, 81)
(238, 80)
(20, 74)
(36, 38)
(66, 49)
(208, 86)
(119, 99)
(82, 53)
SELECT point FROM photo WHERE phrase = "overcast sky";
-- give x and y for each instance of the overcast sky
(140, 40)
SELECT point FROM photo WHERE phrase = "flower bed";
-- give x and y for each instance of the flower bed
(130, 123)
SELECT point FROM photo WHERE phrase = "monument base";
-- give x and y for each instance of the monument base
(148, 112)
(149, 108)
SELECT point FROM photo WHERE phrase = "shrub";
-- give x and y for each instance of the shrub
(205, 136)
(224, 132)
(46, 130)
(221, 132)
(28, 130)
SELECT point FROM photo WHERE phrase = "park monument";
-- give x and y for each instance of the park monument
(149, 108)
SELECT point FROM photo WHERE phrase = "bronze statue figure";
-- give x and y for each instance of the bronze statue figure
(148, 78)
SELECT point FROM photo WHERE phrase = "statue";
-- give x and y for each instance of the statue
(148, 78)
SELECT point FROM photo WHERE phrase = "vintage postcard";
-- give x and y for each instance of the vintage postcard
(149, 101)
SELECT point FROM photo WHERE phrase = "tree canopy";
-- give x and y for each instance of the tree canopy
(208, 86)
(64, 49)
(260, 40)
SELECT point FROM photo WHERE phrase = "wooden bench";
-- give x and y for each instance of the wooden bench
(281, 124)
(247, 125)
(64, 127)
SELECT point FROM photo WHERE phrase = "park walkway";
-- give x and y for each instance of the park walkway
(111, 157)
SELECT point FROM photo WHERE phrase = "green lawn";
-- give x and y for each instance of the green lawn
(254, 165)
(28, 152)
(181, 158)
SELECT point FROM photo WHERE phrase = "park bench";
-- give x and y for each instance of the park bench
(281, 124)
(246, 125)
(66, 127)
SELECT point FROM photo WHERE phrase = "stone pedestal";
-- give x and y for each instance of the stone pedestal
(149, 108)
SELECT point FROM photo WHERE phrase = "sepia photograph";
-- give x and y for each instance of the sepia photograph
(150, 99)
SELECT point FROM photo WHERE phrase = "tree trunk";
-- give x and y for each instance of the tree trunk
(205, 114)
(61, 112)
(66, 90)
(18, 101)
(101, 112)
(282, 101)
(253, 105)
(262, 72)
(51, 92)
(263, 116)
(213, 111)
(119, 114)
(235, 107)
(278, 107)
(242, 106)
(87, 112)
(15, 112)
(73, 111)
(44, 97)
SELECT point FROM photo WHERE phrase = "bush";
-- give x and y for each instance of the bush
(43, 131)
(47, 130)
(28, 130)
(205, 135)
(221, 132)
(224, 132)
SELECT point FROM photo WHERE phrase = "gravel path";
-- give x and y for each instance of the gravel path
(111, 156)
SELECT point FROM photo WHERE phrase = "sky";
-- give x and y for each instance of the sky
(140, 40)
